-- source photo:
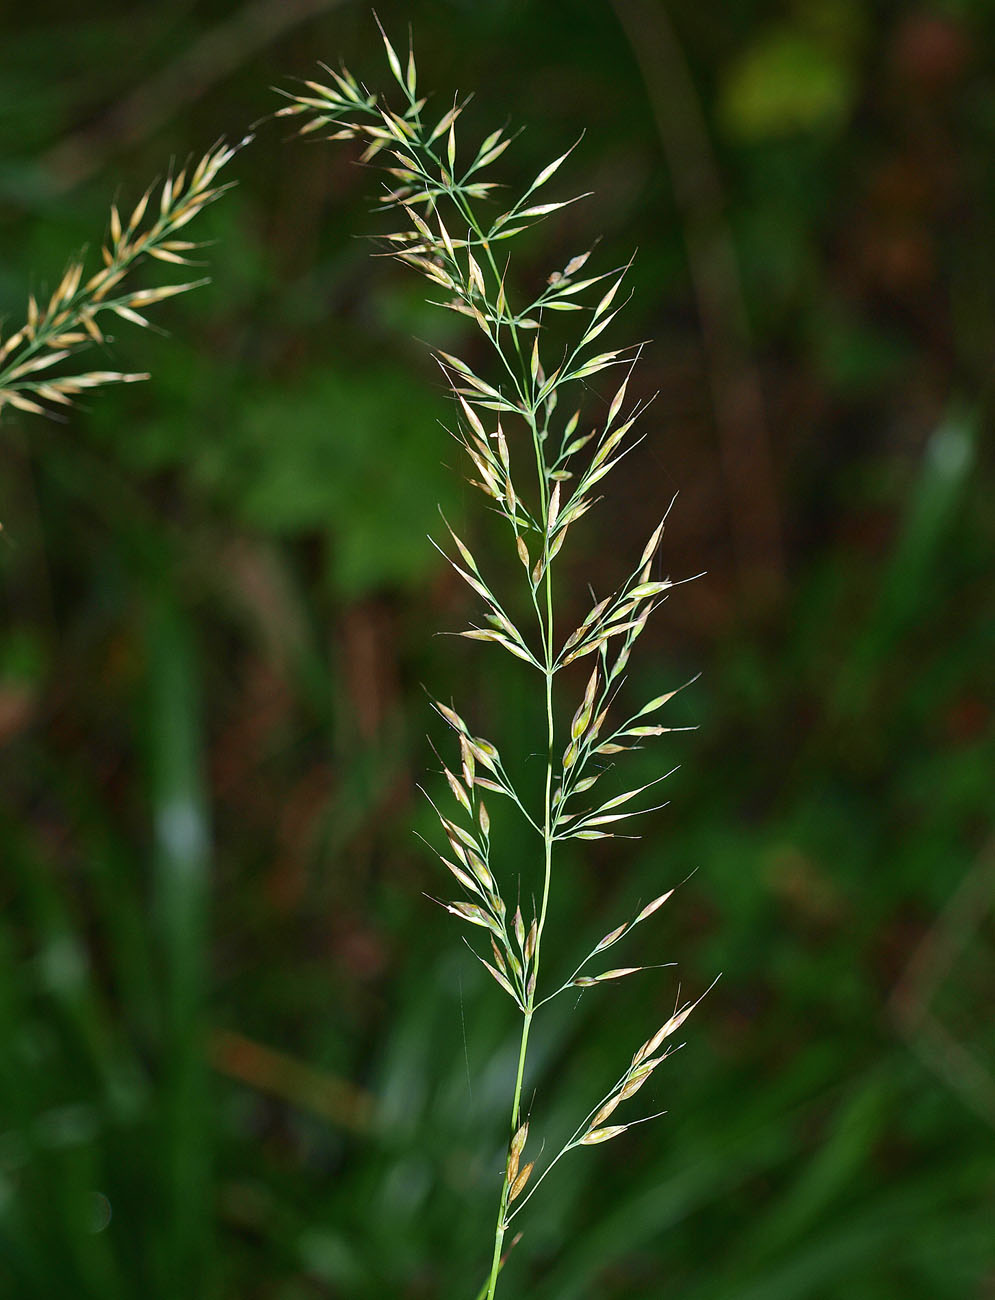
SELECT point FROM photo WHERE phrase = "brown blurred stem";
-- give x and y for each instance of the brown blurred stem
(744, 443)
(293, 1081)
(188, 78)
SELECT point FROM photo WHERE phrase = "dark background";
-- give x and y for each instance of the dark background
(241, 1055)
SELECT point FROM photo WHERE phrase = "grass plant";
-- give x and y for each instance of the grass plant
(522, 414)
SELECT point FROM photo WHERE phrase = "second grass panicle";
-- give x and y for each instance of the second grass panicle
(38, 368)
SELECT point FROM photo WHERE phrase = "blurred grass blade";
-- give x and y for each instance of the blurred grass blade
(911, 573)
(181, 890)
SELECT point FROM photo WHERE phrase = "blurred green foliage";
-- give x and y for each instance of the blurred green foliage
(243, 1056)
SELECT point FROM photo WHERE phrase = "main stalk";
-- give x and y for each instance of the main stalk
(547, 835)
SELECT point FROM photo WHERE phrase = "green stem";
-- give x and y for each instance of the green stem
(502, 1226)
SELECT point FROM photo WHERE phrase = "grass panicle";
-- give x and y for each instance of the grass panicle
(520, 414)
(75, 315)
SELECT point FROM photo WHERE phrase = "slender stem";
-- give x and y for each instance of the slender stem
(502, 1226)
